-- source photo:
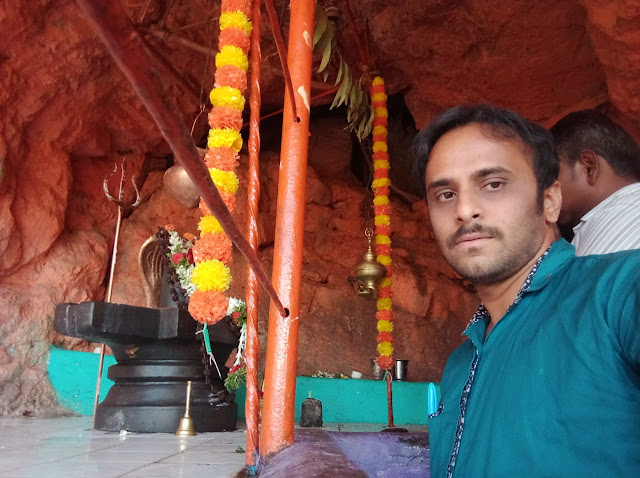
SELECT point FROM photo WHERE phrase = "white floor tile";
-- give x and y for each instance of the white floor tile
(166, 470)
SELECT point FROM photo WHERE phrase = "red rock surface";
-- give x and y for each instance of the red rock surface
(67, 113)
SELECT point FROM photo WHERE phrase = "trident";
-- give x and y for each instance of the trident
(119, 200)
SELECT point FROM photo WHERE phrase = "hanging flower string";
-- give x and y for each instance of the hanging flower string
(211, 275)
(382, 210)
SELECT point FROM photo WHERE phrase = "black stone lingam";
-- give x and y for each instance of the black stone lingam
(157, 352)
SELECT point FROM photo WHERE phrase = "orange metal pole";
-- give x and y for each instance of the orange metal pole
(282, 342)
(252, 350)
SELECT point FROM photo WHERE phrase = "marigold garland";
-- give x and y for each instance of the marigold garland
(212, 252)
(382, 210)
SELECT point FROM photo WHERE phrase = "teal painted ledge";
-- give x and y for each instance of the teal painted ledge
(73, 375)
(359, 401)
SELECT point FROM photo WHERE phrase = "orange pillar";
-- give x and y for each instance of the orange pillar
(282, 340)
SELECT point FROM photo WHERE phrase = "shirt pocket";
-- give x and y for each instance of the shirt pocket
(442, 430)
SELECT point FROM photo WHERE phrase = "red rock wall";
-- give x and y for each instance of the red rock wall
(67, 113)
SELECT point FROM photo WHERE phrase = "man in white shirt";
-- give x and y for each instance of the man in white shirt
(600, 179)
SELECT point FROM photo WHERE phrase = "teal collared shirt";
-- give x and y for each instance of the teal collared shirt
(555, 390)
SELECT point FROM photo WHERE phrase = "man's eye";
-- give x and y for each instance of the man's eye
(445, 196)
(492, 186)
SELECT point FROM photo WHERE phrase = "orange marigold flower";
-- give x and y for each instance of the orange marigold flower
(383, 250)
(383, 229)
(384, 315)
(383, 209)
(380, 173)
(208, 307)
(225, 117)
(379, 137)
(170, 227)
(379, 121)
(382, 191)
(385, 292)
(377, 89)
(381, 155)
(236, 37)
(229, 200)
(384, 337)
(213, 246)
(385, 362)
(230, 75)
(243, 6)
(222, 157)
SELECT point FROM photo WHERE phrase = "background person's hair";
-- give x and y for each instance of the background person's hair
(589, 129)
(498, 124)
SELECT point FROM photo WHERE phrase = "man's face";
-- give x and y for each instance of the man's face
(482, 198)
(574, 191)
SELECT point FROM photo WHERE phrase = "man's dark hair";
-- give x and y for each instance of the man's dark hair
(589, 129)
(499, 124)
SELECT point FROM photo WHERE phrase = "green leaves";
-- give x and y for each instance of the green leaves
(350, 92)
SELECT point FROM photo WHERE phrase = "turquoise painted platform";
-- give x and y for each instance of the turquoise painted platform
(73, 375)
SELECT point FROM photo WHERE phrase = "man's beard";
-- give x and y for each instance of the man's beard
(494, 269)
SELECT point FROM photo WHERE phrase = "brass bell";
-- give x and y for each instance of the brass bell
(185, 427)
(368, 272)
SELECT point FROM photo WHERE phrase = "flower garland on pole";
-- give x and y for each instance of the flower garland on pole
(382, 210)
(212, 252)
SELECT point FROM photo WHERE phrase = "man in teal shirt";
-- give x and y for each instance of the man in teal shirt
(547, 383)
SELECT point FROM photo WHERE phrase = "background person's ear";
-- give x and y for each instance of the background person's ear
(589, 163)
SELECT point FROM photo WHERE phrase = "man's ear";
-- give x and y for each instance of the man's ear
(589, 162)
(552, 202)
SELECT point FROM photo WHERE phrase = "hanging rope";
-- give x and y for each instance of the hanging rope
(252, 403)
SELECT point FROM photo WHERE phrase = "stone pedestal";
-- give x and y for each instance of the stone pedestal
(157, 353)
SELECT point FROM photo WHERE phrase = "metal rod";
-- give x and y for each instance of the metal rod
(96, 398)
(114, 27)
(389, 399)
(282, 338)
(282, 52)
(252, 350)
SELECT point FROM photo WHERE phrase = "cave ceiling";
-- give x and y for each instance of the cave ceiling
(542, 59)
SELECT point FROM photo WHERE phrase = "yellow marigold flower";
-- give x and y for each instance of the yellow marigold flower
(385, 348)
(383, 239)
(225, 137)
(227, 96)
(384, 282)
(235, 19)
(232, 55)
(211, 275)
(381, 164)
(384, 304)
(380, 200)
(383, 220)
(384, 259)
(378, 80)
(379, 129)
(380, 112)
(379, 97)
(385, 326)
(209, 224)
(379, 146)
(377, 183)
(226, 181)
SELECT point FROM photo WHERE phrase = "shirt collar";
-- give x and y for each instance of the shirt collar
(602, 205)
(554, 258)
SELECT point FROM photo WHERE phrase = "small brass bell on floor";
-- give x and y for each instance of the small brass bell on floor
(368, 272)
(185, 428)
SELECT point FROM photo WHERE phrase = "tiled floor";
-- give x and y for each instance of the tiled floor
(69, 448)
